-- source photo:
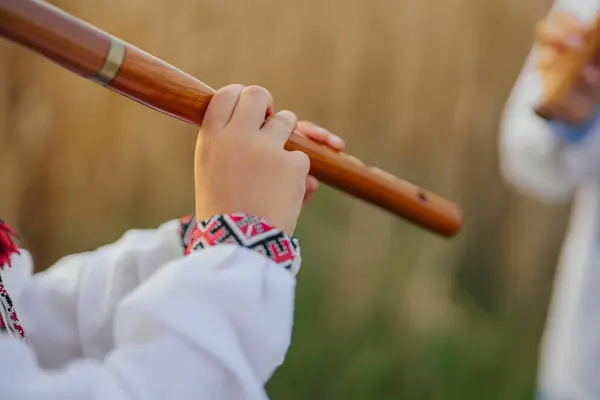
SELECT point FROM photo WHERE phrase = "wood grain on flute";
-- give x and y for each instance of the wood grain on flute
(119, 66)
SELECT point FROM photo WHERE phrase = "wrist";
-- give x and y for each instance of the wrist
(575, 133)
(241, 229)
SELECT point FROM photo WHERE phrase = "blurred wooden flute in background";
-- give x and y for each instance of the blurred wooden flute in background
(125, 69)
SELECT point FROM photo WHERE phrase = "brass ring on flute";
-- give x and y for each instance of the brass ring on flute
(113, 62)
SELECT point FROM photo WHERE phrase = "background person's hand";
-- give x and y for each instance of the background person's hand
(559, 36)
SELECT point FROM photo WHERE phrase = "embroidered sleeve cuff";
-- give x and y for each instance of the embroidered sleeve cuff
(243, 230)
(187, 225)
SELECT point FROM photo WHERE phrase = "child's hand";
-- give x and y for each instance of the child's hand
(320, 135)
(559, 35)
(241, 164)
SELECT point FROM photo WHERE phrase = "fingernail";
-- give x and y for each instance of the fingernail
(337, 140)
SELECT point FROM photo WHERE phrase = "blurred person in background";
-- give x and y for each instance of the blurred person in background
(186, 311)
(559, 162)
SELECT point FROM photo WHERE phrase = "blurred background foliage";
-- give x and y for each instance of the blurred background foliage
(384, 309)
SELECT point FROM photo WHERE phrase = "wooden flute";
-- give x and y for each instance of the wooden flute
(125, 69)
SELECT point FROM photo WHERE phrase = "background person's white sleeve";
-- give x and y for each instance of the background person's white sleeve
(542, 159)
(213, 325)
(68, 309)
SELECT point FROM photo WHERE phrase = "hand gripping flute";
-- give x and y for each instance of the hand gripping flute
(125, 69)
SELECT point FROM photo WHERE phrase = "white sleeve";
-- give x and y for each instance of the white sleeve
(547, 160)
(213, 325)
(68, 309)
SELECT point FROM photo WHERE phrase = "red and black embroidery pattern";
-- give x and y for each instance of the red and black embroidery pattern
(241, 229)
(187, 225)
(7, 246)
(9, 322)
